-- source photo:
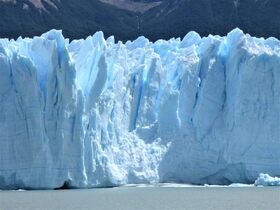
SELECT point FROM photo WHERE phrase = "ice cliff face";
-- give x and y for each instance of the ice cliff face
(96, 113)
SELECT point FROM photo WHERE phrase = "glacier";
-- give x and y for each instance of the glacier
(100, 113)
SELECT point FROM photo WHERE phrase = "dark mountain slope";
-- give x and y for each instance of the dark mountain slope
(176, 18)
(173, 18)
(76, 18)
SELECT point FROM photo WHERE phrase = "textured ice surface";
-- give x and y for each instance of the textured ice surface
(98, 113)
(266, 180)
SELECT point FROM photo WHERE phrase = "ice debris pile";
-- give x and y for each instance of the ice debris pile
(266, 180)
(94, 113)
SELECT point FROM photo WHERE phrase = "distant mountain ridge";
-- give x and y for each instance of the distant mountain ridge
(39, 4)
(169, 18)
(141, 6)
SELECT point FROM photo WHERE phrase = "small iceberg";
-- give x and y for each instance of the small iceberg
(266, 180)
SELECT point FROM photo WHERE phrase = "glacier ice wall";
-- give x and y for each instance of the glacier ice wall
(95, 113)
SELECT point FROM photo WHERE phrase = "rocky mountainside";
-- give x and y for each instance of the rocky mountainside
(140, 6)
(77, 19)
(128, 19)
(175, 18)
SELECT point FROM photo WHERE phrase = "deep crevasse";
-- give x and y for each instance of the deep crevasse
(94, 113)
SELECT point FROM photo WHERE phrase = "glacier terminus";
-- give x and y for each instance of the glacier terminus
(100, 113)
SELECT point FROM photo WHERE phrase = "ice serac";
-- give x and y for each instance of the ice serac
(95, 113)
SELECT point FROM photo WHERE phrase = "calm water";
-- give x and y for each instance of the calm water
(145, 198)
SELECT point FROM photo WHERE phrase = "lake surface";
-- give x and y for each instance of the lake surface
(145, 198)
